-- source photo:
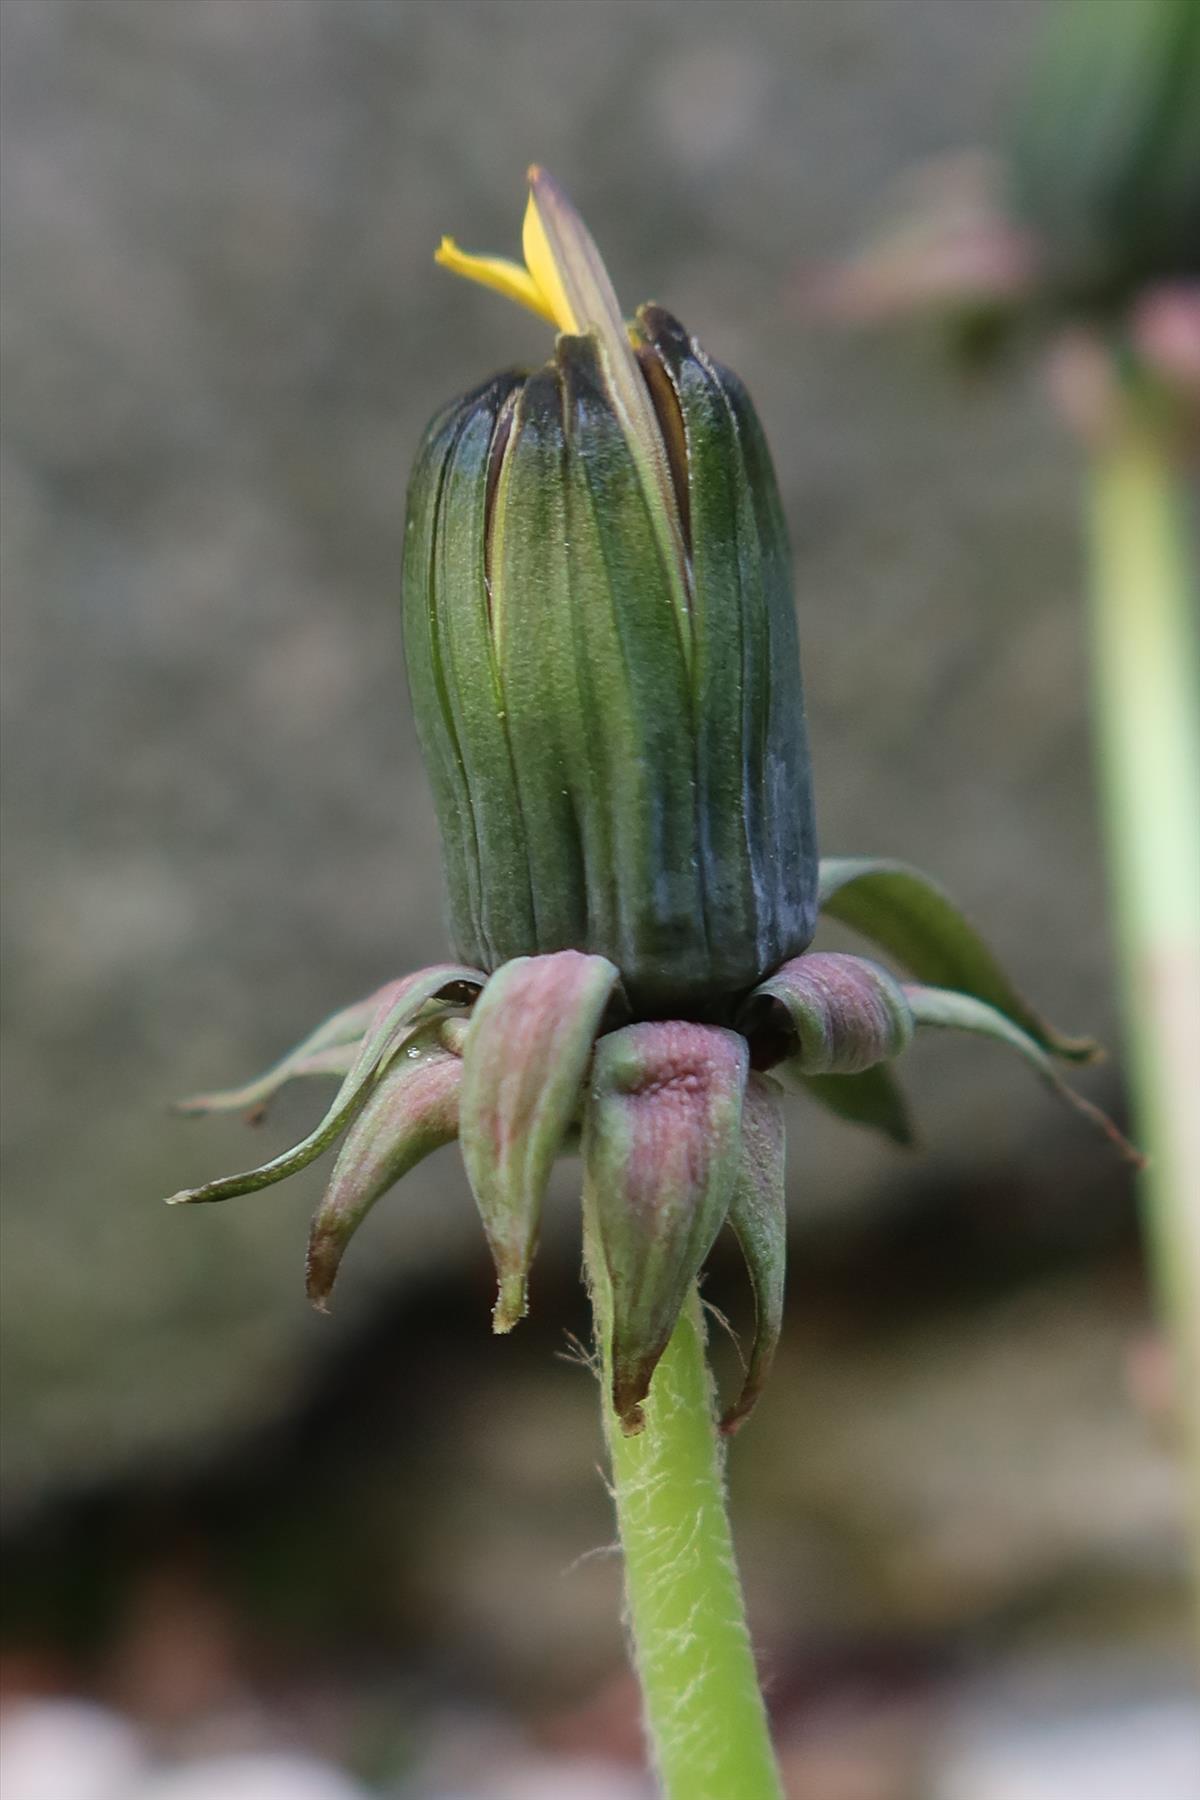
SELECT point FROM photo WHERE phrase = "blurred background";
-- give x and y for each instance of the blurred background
(258, 1555)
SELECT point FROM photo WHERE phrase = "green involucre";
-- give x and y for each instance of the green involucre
(611, 776)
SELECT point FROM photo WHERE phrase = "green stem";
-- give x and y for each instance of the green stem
(704, 1711)
(1147, 676)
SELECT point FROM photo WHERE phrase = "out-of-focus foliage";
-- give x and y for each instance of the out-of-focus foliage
(1105, 157)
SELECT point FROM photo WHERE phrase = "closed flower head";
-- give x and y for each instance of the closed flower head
(604, 669)
(602, 650)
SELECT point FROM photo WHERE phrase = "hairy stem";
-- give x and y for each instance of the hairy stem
(1147, 676)
(704, 1712)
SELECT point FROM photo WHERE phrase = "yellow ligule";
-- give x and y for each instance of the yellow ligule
(497, 272)
(565, 281)
(547, 277)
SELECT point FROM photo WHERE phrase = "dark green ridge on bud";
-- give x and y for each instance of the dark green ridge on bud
(612, 775)
(754, 781)
(450, 473)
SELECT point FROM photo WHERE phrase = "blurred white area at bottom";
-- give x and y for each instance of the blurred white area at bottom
(556, 1779)
(75, 1750)
(72, 1750)
(1129, 1751)
(68, 1750)
(1136, 1748)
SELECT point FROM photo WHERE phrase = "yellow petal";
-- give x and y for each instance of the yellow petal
(567, 267)
(496, 272)
(566, 282)
(544, 266)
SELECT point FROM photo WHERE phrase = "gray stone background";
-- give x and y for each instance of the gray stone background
(222, 334)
